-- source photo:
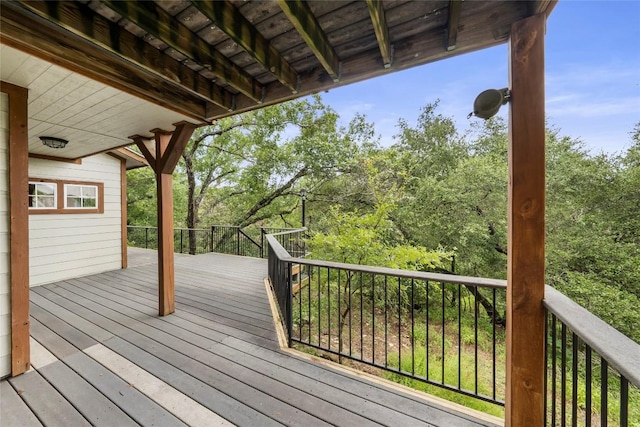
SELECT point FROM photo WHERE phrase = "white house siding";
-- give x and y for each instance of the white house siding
(5, 264)
(64, 246)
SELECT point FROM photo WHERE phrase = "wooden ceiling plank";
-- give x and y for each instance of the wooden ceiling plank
(157, 22)
(21, 29)
(451, 35)
(229, 19)
(302, 18)
(379, 21)
(82, 21)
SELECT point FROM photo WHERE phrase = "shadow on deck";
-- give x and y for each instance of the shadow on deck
(104, 357)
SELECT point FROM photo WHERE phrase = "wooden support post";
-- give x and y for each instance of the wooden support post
(18, 226)
(526, 210)
(123, 212)
(164, 181)
(168, 149)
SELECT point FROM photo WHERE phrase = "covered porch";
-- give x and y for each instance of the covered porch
(102, 356)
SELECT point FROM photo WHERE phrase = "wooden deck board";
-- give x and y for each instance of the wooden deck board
(92, 404)
(219, 349)
(49, 406)
(14, 412)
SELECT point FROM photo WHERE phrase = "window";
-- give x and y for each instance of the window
(52, 196)
(80, 196)
(43, 195)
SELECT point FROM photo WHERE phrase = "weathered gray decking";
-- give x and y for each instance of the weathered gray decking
(219, 349)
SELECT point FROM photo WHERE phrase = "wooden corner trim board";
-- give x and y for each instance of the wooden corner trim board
(123, 211)
(18, 226)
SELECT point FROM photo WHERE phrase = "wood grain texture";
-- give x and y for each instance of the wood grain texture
(242, 376)
(526, 226)
(24, 31)
(55, 158)
(166, 274)
(379, 21)
(179, 140)
(160, 24)
(123, 210)
(452, 24)
(228, 19)
(312, 33)
(18, 226)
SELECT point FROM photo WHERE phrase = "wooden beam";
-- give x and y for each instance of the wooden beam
(157, 22)
(166, 273)
(542, 6)
(18, 226)
(379, 21)
(453, 22)
(179, 140)
(148, 153)
(55, 158)
(526, 226)
(229, 20)
(302, 18)
(104, 51)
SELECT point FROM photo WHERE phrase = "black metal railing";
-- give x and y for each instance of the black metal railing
(593, 371)
(439, 329)
(225, 239)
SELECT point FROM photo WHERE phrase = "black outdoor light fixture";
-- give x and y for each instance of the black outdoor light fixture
(488, 103)
(303, 195)
(53, 142)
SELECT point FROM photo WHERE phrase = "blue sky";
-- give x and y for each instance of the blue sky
(592, 78)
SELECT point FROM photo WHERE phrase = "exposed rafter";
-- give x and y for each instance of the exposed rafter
(451, 35)
(157, 22)
(229, 19)
(379, 21)
(23, 30)
(303, 19)
(83, 21)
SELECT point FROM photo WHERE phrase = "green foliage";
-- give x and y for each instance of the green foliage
(371, 239)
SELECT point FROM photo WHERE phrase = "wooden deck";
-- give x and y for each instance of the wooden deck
(103, 357)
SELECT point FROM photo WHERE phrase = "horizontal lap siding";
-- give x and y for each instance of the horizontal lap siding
(64, 246)
(5, 315)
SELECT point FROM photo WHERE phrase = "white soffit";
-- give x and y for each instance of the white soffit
(92, 116)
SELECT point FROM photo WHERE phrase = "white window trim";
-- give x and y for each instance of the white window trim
(81, 197)
(55, 195)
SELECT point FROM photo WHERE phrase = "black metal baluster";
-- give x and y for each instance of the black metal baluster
(361, 319)
(604, 392)
(386, 341)
(459, 336)
(624, 402)
(329, 305)
(563, 376)
(426, 314)
(373, 319)
(308, 296)
(443, 335)
(553, 369)
(475, 338)
(588, 374)
(574, 378)
(399, 329)
(340, 324)
(319, 311)
(413, 346)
